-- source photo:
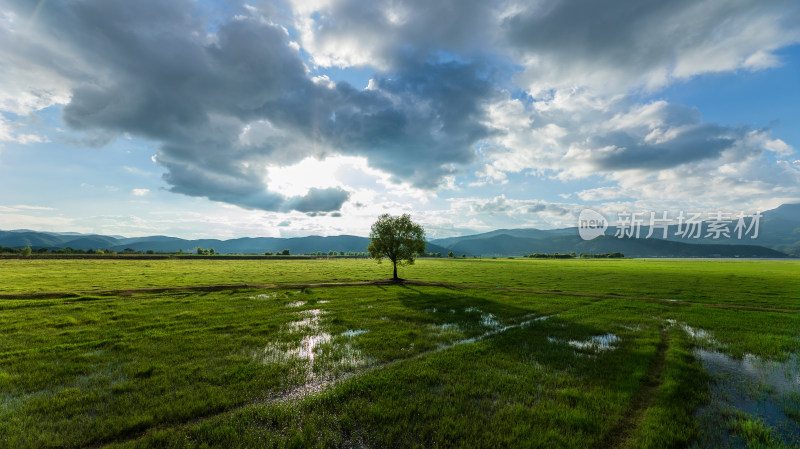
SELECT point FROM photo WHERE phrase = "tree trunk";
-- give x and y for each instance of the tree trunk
(395, 271)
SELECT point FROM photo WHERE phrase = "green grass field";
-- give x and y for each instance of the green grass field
(102, 364)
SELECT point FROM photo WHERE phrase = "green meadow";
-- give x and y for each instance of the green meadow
(504, 353)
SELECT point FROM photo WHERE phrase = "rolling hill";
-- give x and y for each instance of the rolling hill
(779, 235)
(246, 245)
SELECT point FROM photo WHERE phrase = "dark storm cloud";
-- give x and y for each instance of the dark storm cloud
(615, 45)
(196, 180)
(155, 71)
(165, 76)
(319, 200)
(606, 31)
(629, 43)
(427, 113)
(700, 142)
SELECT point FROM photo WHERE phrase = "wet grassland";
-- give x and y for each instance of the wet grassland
(631, 353)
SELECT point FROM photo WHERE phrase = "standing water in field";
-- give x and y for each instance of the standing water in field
(307, 343)
(489, 320)
(597, 343)
(752, 402)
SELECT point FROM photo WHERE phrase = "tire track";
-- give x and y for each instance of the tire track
(623, 434)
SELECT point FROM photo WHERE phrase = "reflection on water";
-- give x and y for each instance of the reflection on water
(526, 320)
(598, 343)
(700, 335)
(264, 296)
(489, 320)
(310, 322)
(748, 393)
(327, 359)
(316, 350)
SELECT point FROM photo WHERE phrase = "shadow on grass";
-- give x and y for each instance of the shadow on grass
(526, 386)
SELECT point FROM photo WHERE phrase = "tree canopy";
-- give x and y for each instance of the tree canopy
(396, 238)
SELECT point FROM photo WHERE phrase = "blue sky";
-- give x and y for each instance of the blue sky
(229, 119)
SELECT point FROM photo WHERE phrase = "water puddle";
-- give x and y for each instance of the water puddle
(446, 331)
(701, 336)
(308, 346)
(434, 310)
(340, 350)
(309, 322)
(307, 349)
(296, 304)
(264, 296)
(317, 351)
(752, 402)
(489, 320)
(597, 343)
(497, 330)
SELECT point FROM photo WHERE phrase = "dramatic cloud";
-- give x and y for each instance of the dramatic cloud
(226, 104)
(319, 200)
(608, 45)
(386, 33)
(612, 45)
(655, 151)
(579, 63)
(461, 94)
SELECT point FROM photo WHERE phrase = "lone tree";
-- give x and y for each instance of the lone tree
(398, 239)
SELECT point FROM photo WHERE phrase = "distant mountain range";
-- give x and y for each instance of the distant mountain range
(160, 243)
(779, 235)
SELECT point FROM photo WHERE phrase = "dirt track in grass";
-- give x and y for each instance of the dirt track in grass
(312, 387)
(223, 287)
(622, 435)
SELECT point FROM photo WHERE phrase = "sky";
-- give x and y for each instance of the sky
(225, 119)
